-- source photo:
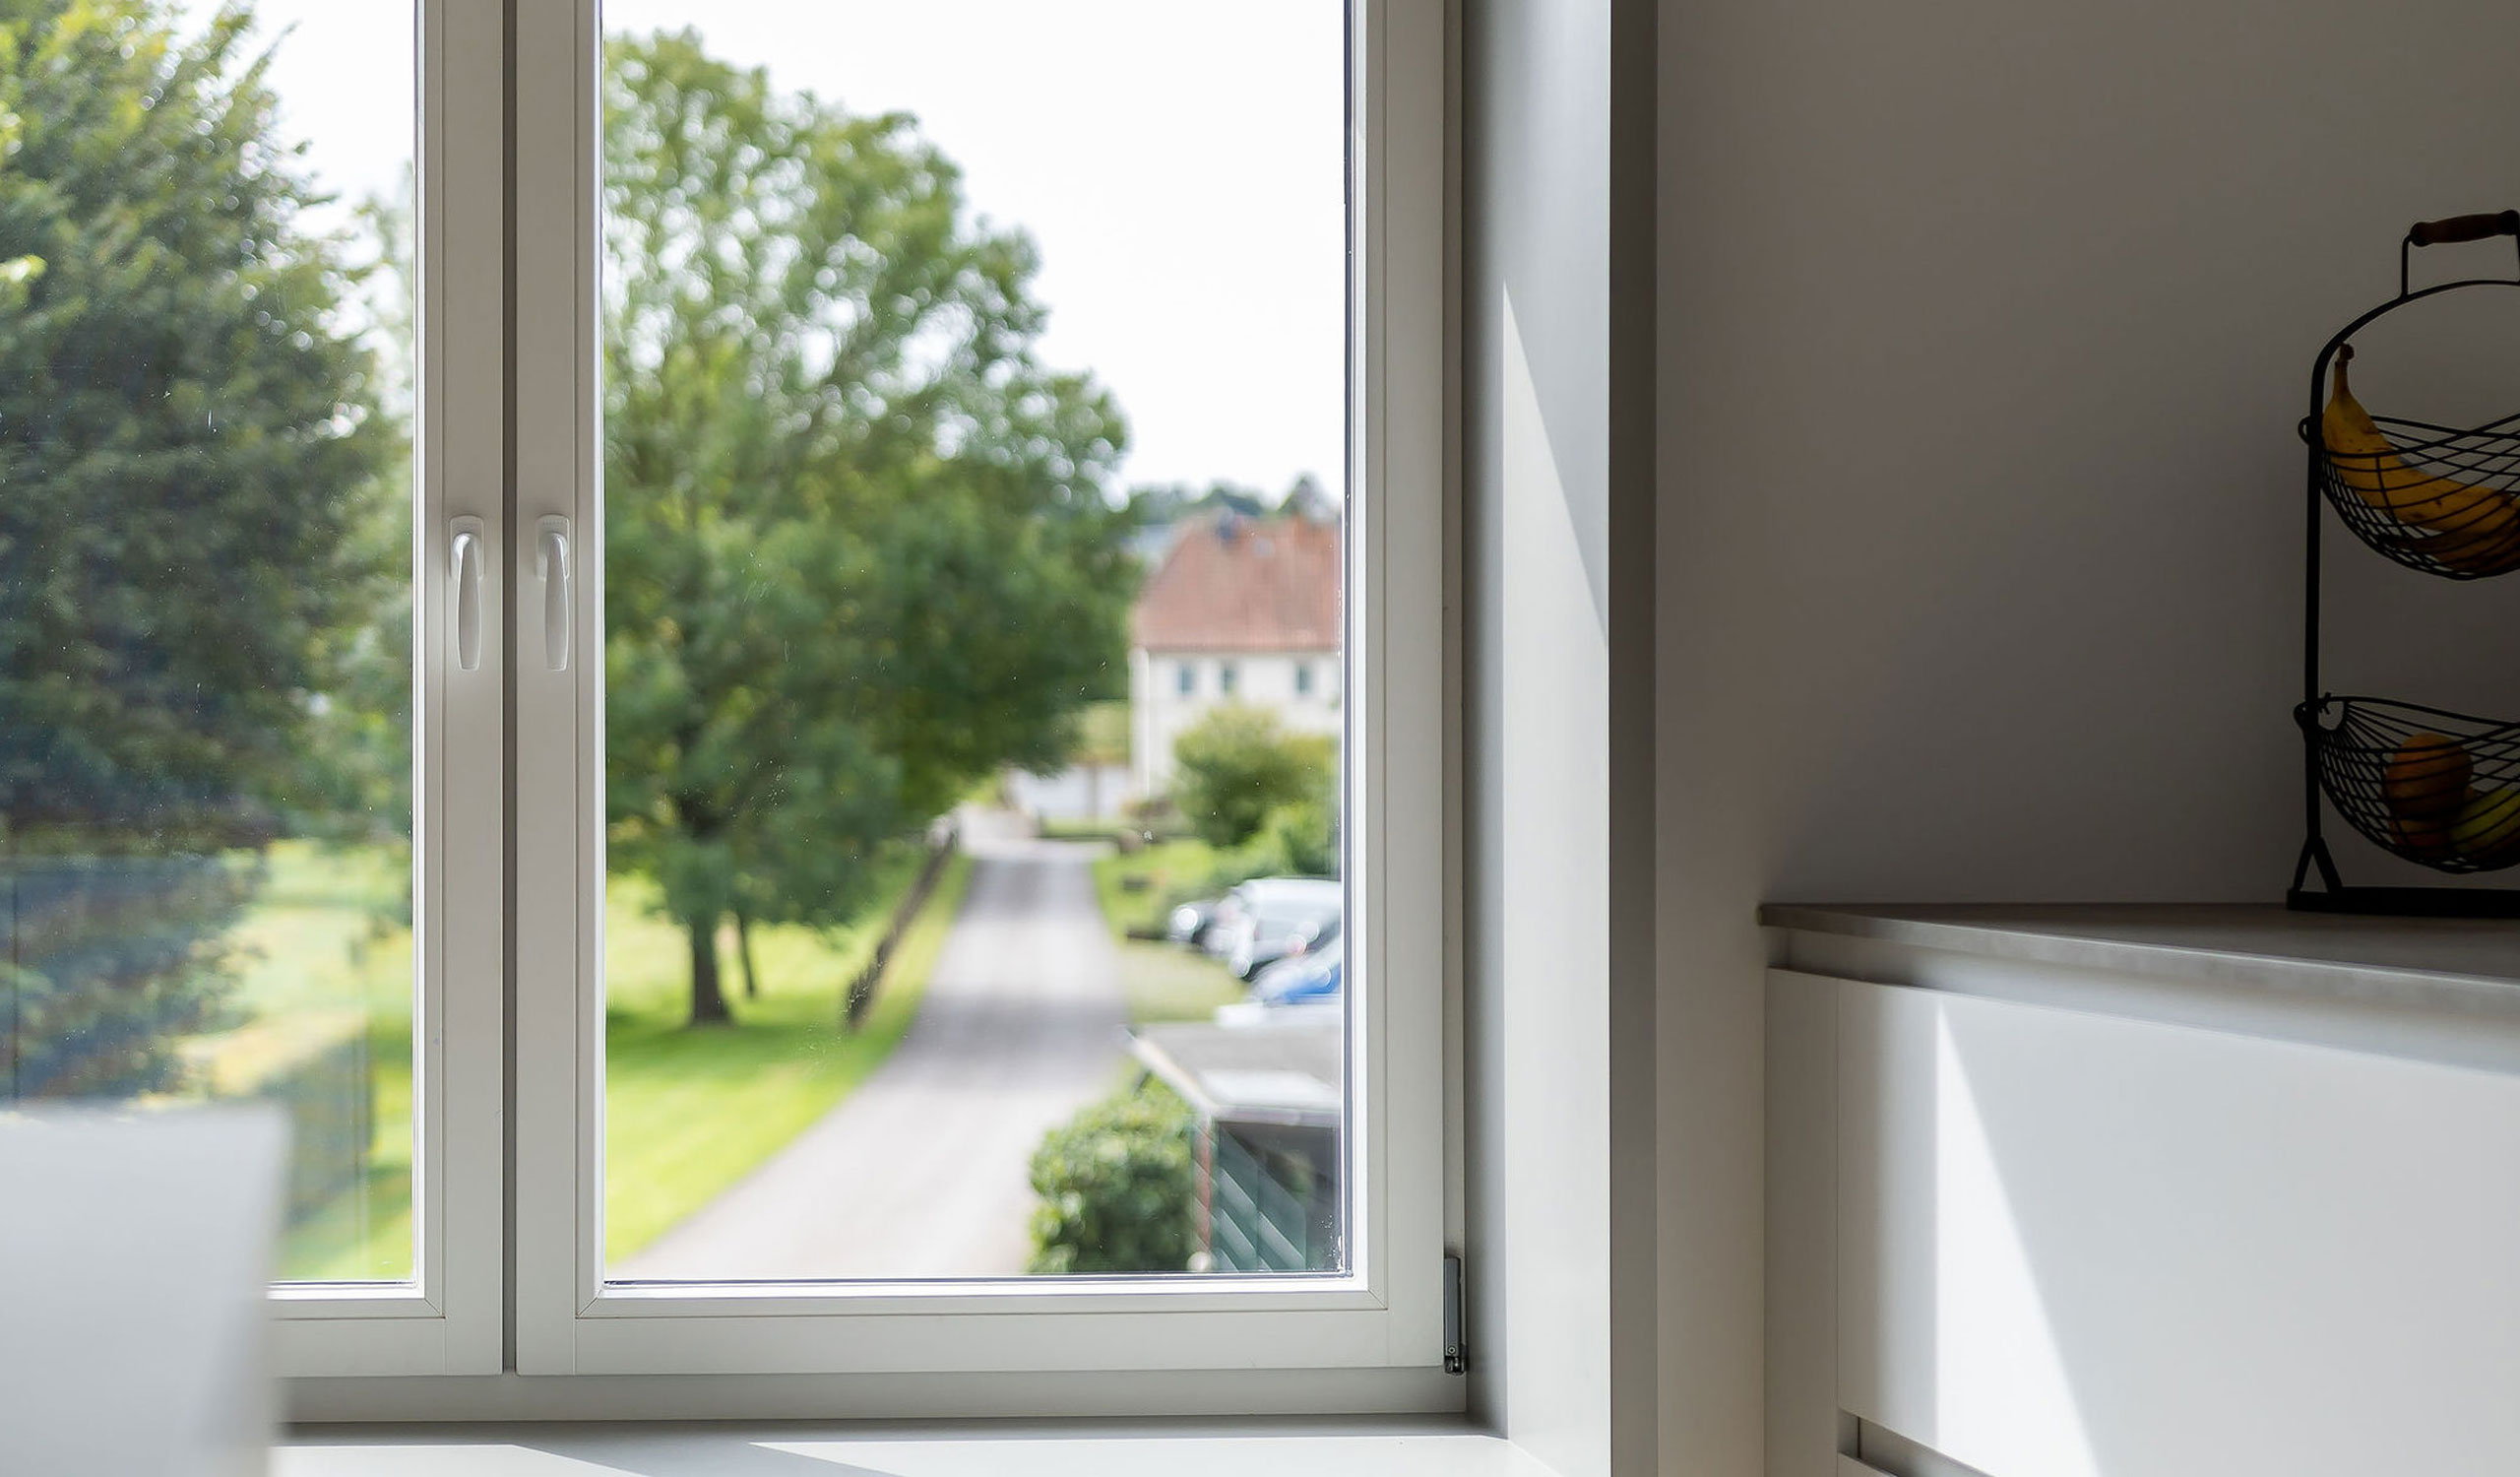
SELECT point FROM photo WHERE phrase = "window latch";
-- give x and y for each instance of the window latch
(551, 566)
(463, 563)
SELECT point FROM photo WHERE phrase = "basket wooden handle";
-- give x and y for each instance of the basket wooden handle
(2464, 229)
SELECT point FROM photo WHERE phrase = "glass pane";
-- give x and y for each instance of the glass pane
(205, 565)
(975, 408)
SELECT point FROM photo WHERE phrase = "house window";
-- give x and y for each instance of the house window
(620, 809)
(1228, 676)
(1187, 679)
(1303, 679)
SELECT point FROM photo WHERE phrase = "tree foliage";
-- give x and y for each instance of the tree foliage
(1237, 768)
(1118, 1187)
(191, 471)
(186, 431)
(859, 550)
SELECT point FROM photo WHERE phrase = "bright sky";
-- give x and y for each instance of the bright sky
(1179, 161)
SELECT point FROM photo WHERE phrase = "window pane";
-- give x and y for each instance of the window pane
(204, 560)
(973, 371)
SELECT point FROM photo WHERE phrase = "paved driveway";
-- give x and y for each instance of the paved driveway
(920, 1172)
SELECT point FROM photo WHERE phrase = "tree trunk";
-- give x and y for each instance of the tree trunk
(743, 956)
(708, 1000)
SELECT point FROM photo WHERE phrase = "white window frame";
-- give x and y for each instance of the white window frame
(1386, 1311)
(506, 1200)
(447, 1320)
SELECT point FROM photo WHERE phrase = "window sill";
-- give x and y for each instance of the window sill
(1376, 1449)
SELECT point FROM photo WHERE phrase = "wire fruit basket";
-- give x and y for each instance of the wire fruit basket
(2433, 786)
(2432, 497)
(2428, 785)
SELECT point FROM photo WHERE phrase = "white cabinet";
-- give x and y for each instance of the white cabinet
(2071, 1244)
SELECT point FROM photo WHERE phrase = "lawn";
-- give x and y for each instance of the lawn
(1162, 980)
(688, 1112)
(327, 936)
(1138, 888)
(1166, 982)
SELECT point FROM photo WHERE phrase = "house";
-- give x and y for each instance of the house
(1240, 610)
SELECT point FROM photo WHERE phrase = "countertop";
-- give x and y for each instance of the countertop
(2147, 936)
(2448, 989)
(691, 1450)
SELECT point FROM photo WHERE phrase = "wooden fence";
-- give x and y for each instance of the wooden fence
(860, 997)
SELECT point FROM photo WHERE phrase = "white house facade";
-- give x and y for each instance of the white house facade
(1241, 610)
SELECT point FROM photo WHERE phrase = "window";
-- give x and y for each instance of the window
(805, 924)
(206, 810)
(570, 801)
(1303, 679)
(1187, 679)
(247, 668)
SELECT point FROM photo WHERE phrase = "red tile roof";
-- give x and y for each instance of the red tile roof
(1245, 583)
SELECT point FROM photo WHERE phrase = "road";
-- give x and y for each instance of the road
(922, 1170)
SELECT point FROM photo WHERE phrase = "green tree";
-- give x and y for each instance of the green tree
(1239, 766)
(190, 463)
(859, 551)
(1118, 1187)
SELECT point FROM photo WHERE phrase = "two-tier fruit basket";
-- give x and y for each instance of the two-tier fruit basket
(2437, 788)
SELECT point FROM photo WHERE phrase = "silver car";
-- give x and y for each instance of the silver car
(1267, 919)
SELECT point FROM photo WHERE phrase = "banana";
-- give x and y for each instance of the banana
(2493, 551)
(2488, 829)
(2475, 529)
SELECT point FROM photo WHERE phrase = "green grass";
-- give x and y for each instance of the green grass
(1053, 829)
(1138, 888)
(1166, 982)
(366, 1233)
(1161, 980)
(326, 936)
(688, 1112)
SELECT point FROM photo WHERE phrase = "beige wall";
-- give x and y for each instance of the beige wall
(1985, 325)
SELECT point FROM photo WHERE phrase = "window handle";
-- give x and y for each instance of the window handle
(464, 562)
(551, 566)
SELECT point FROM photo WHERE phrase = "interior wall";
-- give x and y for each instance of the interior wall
(1558, 957)
(1985, 329)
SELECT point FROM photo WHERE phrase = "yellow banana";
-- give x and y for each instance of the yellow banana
(2474, 529)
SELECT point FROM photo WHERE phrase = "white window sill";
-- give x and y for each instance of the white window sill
(797, 1450)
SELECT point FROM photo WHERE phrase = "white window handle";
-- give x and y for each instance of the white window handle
(551, 566)
(464, 562)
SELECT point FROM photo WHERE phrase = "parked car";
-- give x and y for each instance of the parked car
(1292, 980)
(1189, 923)
(1269, 918)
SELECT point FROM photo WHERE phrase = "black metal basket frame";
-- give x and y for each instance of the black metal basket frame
(2334, 895)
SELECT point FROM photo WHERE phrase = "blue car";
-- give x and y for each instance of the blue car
(1305, 977)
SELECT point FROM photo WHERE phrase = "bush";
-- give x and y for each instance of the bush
(1304, 837)
(1236, 765)
(1118, 1186)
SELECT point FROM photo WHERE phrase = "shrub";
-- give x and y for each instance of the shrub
(1304, 837)
(1236, 765)
(1118, 1186)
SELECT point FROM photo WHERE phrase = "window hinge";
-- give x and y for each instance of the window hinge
(1455, 1356)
